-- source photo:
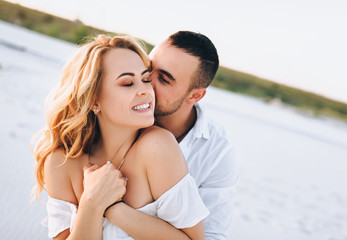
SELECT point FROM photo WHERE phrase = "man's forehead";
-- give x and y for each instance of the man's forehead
(160, 50)
(160, 45)
(163, 56)
(165, 53)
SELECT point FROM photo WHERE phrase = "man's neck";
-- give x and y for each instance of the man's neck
(178, 123)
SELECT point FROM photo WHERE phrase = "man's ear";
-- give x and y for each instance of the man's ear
(195, 95)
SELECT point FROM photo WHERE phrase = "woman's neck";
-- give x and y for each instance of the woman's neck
(113, 146)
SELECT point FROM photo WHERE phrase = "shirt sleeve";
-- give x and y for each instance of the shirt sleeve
(181, 205)
(218, 193)
(60, 216)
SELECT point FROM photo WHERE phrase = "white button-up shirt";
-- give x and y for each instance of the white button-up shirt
(210, 160)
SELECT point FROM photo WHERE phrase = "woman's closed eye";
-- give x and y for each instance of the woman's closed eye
(146, 80)
(129, 84)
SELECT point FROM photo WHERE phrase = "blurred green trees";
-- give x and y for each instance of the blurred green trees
(76, 32)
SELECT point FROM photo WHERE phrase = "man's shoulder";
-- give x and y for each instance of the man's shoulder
(215, 129)
(215, 153)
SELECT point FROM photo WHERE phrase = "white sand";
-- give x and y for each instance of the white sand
(293, 168)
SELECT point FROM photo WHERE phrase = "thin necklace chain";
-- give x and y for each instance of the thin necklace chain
(120, 165)
(122, 162)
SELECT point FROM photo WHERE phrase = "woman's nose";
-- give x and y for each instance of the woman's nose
(141, 93)
(144, 90)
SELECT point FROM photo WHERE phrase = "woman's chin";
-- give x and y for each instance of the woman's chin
(147, 123)
(150, 122)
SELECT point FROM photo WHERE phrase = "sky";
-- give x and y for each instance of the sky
(300, 43)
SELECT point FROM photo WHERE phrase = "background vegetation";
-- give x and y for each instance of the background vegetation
(76, 31)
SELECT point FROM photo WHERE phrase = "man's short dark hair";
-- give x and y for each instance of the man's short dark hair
(200, 46)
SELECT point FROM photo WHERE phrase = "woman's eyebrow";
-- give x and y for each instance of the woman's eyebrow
(126, 74)
(131, 74)
(146, 71)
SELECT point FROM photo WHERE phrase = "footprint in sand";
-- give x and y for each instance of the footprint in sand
(339, 199)
(306, 224)
(246, 217)
(21, 125)
(12, 134)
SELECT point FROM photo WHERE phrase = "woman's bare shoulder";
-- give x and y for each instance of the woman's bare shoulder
(159, 147)
(55, 163)
(163, 160)
(57, 171)
(156, 134)
(157, 141)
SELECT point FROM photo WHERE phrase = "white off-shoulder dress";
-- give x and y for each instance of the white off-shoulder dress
(181, 206)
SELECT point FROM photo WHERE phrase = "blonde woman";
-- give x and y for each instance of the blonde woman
(102, 112)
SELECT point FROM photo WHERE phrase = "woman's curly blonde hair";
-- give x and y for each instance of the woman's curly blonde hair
(70, 123)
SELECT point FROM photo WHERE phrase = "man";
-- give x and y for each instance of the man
(183, 67)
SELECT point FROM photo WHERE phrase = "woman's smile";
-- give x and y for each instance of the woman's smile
(143, 107)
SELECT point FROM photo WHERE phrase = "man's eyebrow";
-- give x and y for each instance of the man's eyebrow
(167, 74)
(126, 74)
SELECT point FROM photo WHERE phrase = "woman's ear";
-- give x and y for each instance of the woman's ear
(195, 95)
(95, 108)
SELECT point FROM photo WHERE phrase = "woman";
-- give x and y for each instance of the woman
(102, 111)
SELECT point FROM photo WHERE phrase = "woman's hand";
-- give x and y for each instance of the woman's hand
(102, 186)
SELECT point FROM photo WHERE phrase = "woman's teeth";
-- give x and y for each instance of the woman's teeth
(141, 107)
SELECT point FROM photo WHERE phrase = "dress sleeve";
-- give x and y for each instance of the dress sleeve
(61, 214)
(181, 205)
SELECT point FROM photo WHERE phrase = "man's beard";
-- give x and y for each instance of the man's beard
(161, 111)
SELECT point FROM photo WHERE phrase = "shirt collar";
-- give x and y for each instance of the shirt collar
(200, 129)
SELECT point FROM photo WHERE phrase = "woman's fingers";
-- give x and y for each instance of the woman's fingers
(90, 168)
(104, 184)
(86, 167)
(125, 181)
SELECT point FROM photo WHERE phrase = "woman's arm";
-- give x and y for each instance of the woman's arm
(94, 200)
(165, 166)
